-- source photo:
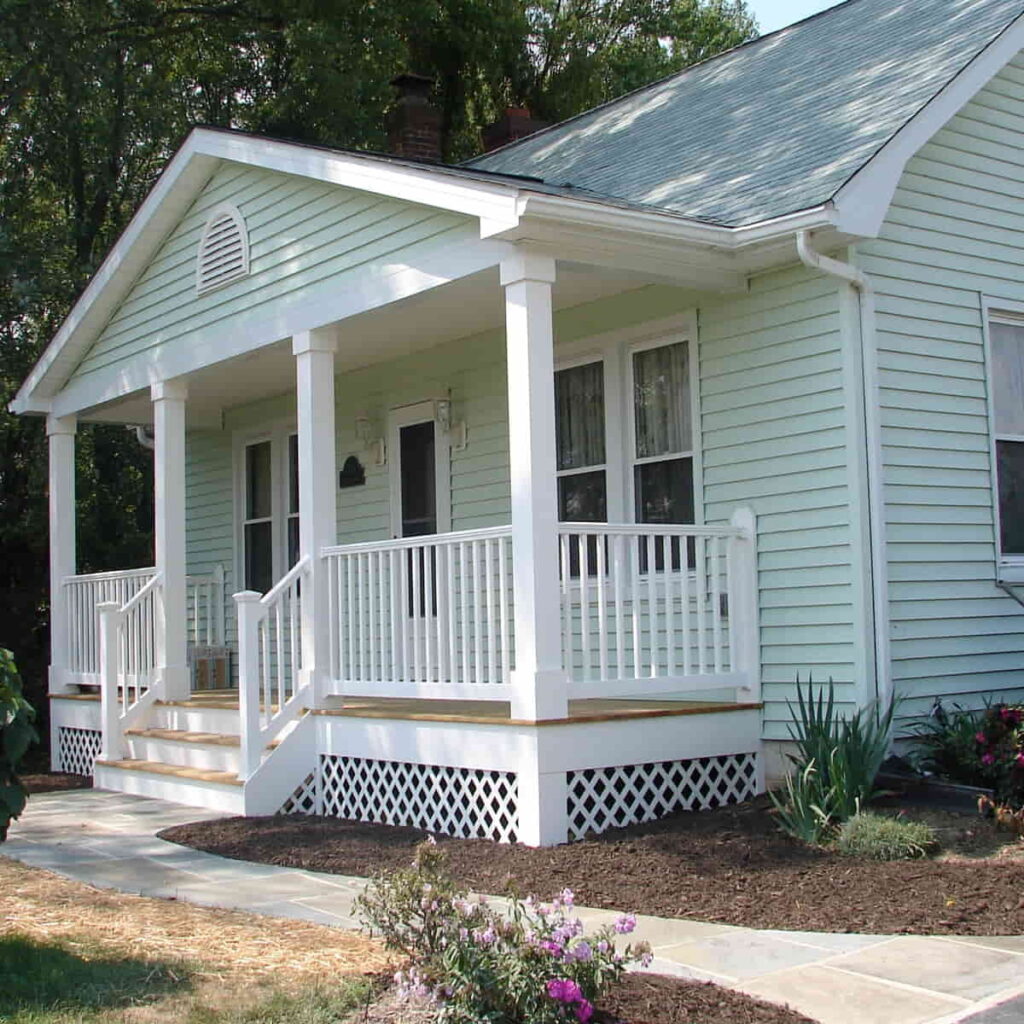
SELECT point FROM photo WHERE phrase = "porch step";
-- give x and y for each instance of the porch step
(188, 716)
(194, 787)
(204, 751)
(182, 736)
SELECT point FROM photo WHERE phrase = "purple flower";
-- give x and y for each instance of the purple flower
(1020, 758)
(564, 990)
(980, 737)
(554, 948)
(603, 946)
(988, 758)
(584, 1011)
(567, 897)
(582, 951)
(625, 924)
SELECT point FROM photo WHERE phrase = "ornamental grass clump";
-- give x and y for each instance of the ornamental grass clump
(531, 964)
(877, 837)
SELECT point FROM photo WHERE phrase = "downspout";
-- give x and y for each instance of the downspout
(861, 285)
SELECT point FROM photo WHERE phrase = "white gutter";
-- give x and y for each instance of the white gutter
(861, 285)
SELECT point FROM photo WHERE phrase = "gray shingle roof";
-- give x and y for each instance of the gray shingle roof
(771, 127)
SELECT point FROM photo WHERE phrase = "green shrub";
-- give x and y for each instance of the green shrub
(16, 735)
(1000, 739)
(531, 963)
(878, 837)
(804, 809)
(947, 745)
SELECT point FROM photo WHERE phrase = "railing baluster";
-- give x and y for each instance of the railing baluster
(372, 616)
(602, 609)
(506, 645)
(565, 579)
(453, 666)
(492, 640)
(417, 576)
(382, 618)
(634, 596)
(716, 603)
(464, 605)
(652, 602)
(581, 563)
(620, 611)
(701, 589)
(478, 638)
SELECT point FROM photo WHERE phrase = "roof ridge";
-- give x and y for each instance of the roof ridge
(747, 44)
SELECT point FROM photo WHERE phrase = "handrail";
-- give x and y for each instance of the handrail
(113, 574)
(297, 570)
(137, 599)
(427, 540)
(652, 529)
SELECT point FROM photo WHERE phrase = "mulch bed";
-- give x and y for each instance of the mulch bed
(55, 782)
(731, 866)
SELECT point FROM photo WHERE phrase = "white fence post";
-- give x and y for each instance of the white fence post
(744, 603)
(109, 613)
(249, 614)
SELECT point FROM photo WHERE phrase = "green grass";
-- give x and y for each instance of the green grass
(62, 983)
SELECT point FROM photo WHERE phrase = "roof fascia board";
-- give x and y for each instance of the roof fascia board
(180, 356)
(863, 202)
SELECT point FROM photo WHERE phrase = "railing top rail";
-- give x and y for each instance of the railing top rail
(141, 595)
(651, 530)
(427, 540)
(300, 568)
(116, 574)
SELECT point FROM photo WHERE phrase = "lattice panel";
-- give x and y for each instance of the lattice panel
(453, 801)
(304, 799)
(619, 795)
(77, 750)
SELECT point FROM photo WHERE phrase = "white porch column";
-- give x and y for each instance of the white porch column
(539, 681)
(60, 430)
(169, 532)
(314, 372)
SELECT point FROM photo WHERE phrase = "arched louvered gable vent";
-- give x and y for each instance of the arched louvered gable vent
(223, 250)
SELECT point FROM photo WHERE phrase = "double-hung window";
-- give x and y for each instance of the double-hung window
(269, 510)
(581, 444)
(1006, 344)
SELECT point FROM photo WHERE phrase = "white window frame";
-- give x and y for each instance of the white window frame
(277, 434)
(1009, 568)
(615, 349)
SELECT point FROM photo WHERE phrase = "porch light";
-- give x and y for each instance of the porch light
(376, 446)
(456, 432)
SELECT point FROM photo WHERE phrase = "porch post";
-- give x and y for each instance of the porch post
(60, 431)
(169, 500)
(539, 681)
(314, 372)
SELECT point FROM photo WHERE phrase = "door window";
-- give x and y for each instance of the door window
(270, 510)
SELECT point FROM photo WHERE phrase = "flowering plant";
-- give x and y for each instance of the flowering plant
(525, 961)
(1000, 740)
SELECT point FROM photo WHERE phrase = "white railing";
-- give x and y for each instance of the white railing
(658, 609)
(127, 658)
(82, 597)
(422, 616)
(271, 682)
(206, 608)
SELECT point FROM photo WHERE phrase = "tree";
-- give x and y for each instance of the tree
(96, 94)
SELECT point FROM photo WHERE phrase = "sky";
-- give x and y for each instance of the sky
(773, 14)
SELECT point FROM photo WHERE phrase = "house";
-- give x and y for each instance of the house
(515, 496)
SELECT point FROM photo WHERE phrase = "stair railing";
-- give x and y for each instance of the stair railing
(272, 681)
(128, 653)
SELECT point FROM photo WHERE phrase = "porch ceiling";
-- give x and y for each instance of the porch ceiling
(456, 310)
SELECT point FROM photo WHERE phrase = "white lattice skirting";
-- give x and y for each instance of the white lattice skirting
(448, 800)
(77, 750)
(619, 795)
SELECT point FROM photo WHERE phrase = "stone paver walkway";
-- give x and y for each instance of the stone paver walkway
(108, 840)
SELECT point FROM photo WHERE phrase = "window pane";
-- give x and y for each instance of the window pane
(293, 473)
(582, 498)
(661, 399)
(664, 491)
(418, 481)
(258, 481)
(293, 540)
(259, 557)
(1008, 378)
(579, 415)
(1010, 467)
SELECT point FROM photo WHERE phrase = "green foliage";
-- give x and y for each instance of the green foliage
(531, 964)
(16, 736)
(1001, 751)
(947, 745)
(328, 1005)
(836, 763)
(878, 837)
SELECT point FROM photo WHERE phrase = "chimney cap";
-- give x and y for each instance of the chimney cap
(413, 85)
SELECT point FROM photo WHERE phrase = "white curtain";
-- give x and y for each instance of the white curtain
(579, 411)
(1008, 378)
(661, 385)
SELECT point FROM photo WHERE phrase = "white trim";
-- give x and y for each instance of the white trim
(1008, 568)
(408, 416)
(862, 203)
(218, 213)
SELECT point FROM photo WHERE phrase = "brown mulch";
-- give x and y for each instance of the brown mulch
(731, 866)
(55, 782)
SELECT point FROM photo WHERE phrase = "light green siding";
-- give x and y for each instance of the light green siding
(306, 239)
(774, 438)
(955, 232)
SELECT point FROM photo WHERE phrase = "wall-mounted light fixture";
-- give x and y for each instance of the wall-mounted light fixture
(375, 445)
(456, 432)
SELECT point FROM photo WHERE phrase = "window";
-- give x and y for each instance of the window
(580, 440)
(1006, 343)
(269, 510)
(223, 250)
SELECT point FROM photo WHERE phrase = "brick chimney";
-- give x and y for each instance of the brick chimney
(414, 128)
(516, 123)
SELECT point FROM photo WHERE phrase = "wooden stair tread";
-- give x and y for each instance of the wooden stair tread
(176, 770)
(184, 736)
